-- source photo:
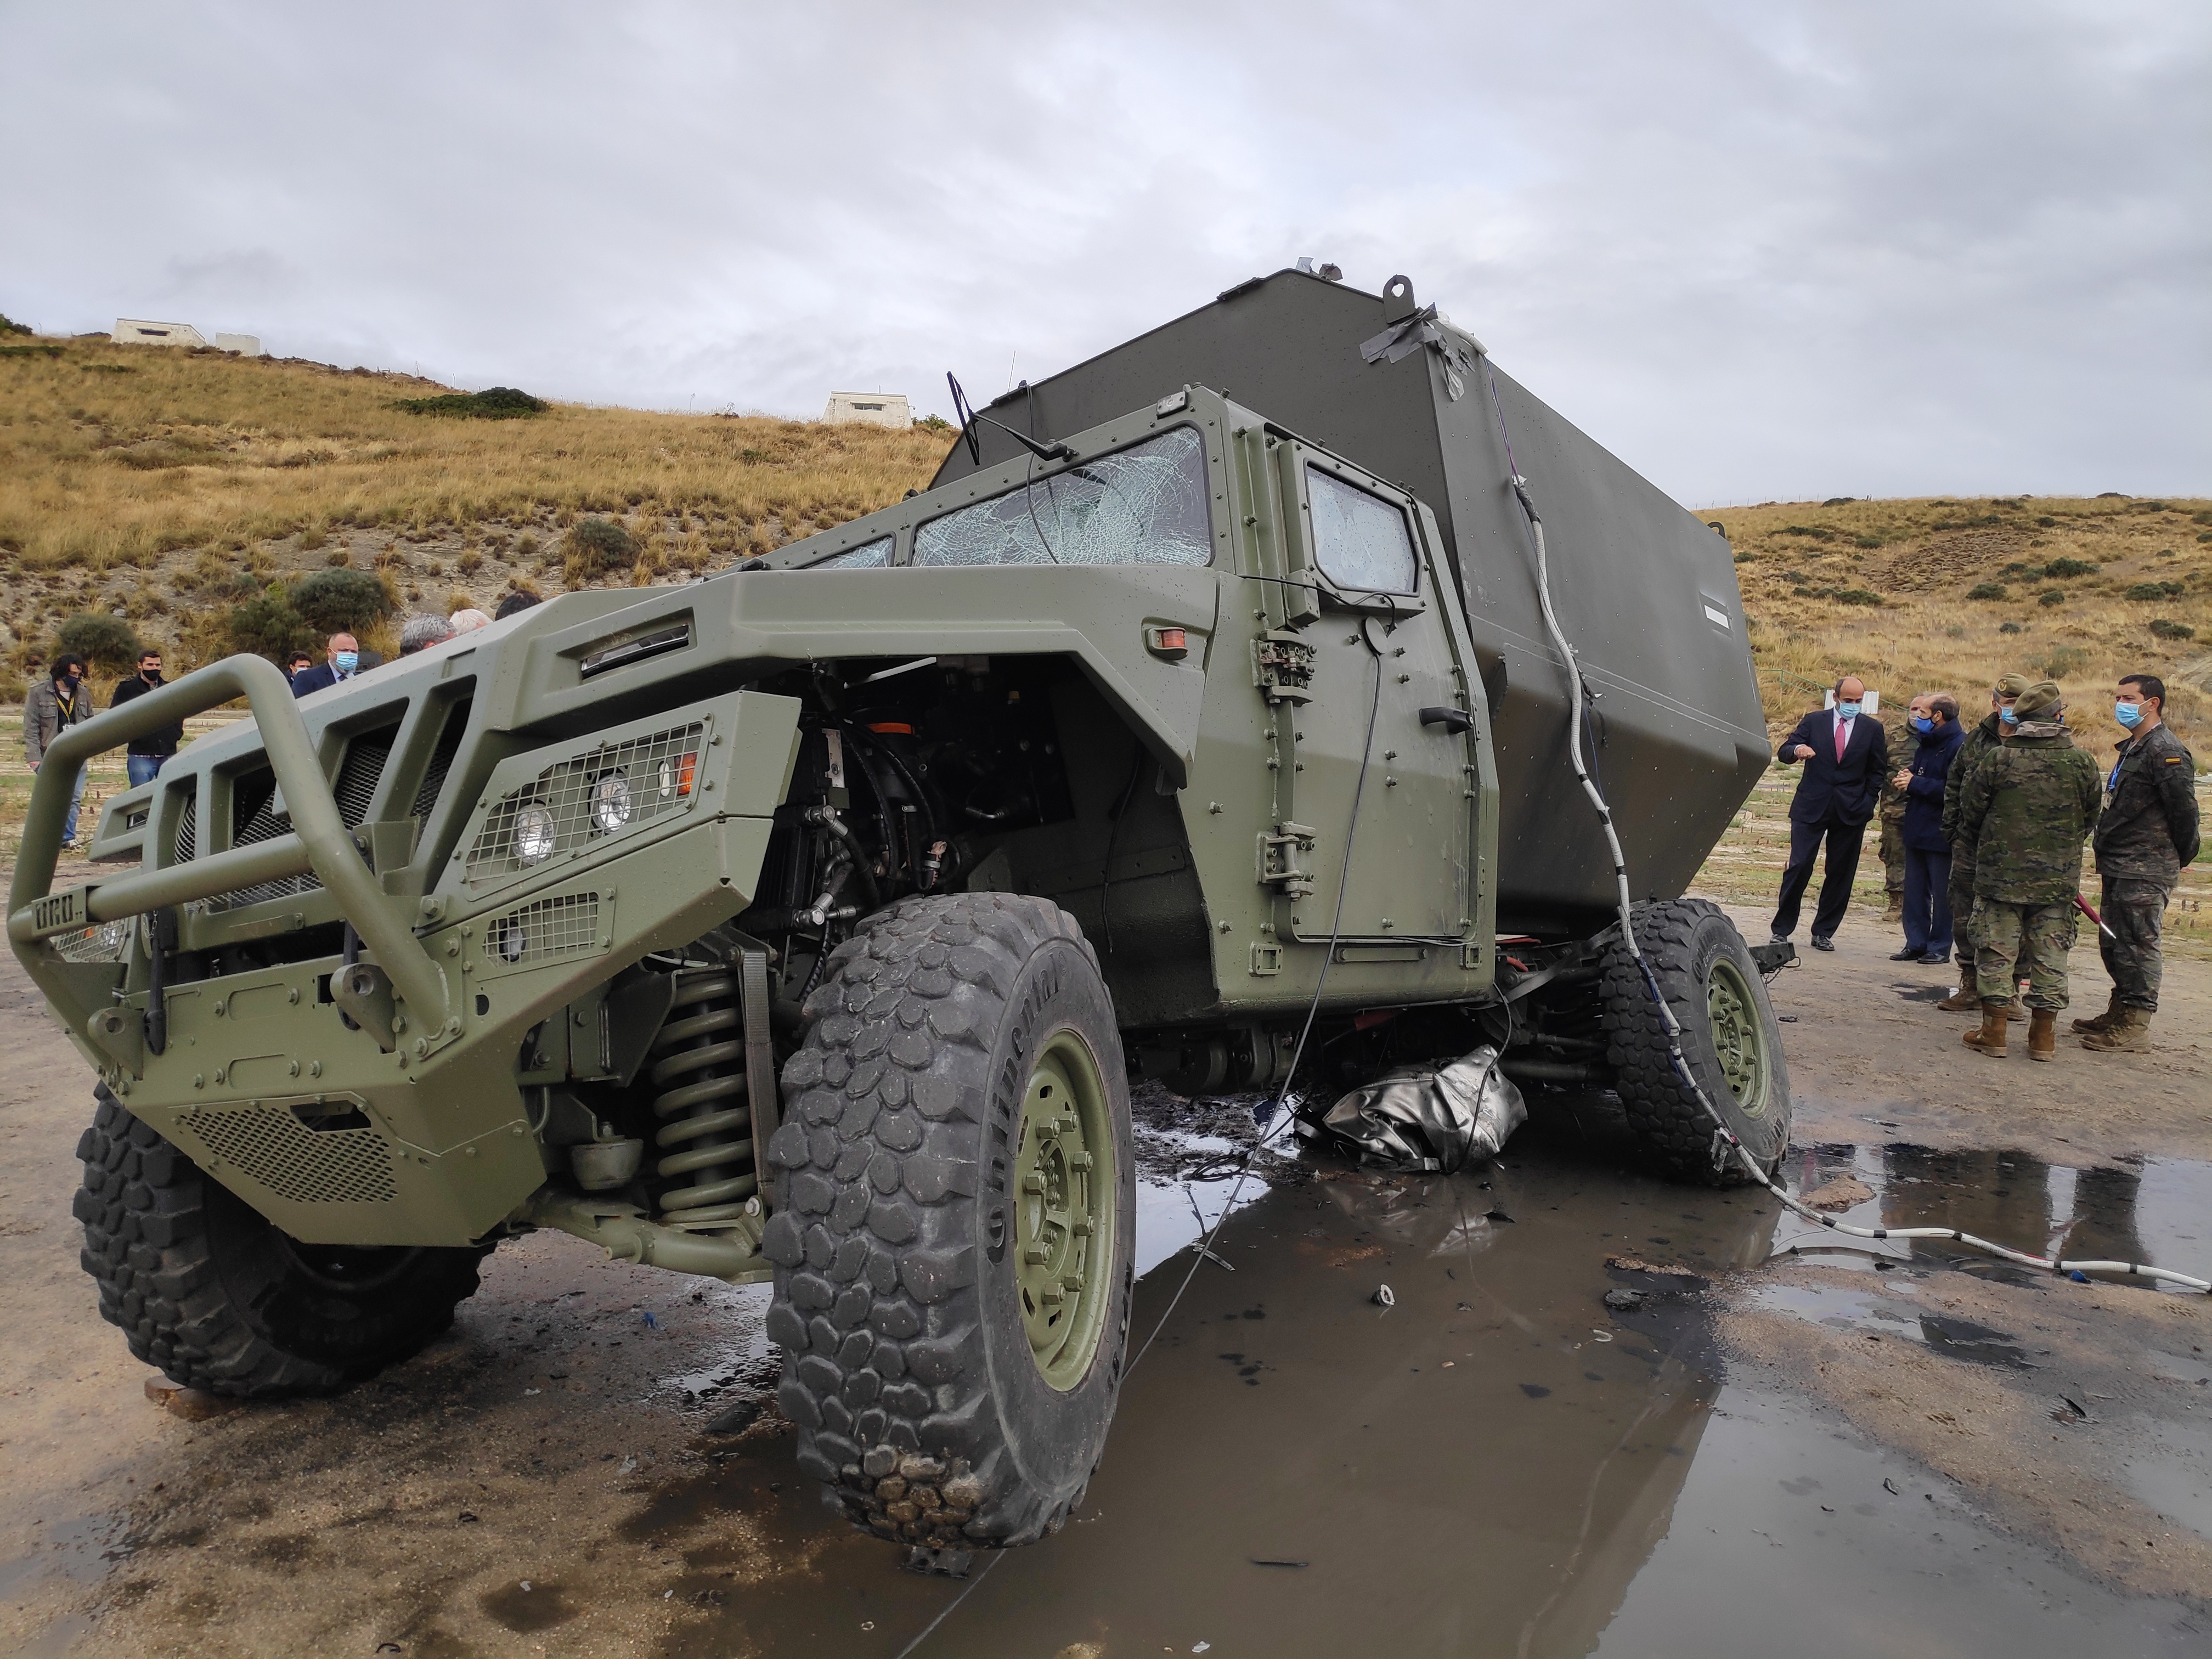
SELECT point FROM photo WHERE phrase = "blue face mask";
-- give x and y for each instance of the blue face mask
(1922, 724)
(347, 661)
(2008, 717)
(1849, 711)
(2128, 714)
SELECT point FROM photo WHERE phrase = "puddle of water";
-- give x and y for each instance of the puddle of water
(2176, 1479)
(2153, 1212)
(1498, 1463)
(1850, 1308)
(83, 1549)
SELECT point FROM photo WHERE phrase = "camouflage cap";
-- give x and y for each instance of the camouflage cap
(2039, 699)
(2011, 685)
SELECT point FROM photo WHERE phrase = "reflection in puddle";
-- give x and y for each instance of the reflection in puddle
(2151, 1211)
(1841, 1308)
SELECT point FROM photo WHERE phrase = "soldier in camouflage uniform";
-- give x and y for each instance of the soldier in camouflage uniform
(2027, 810)
(1967, 998)
(1890, 814)
(2145, 836)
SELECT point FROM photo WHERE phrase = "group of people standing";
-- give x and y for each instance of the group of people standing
(62, 699)
(1989, 824)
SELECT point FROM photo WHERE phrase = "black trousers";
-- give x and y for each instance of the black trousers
(1843, 866)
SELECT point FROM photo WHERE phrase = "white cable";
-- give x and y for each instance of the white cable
(1722, 1132)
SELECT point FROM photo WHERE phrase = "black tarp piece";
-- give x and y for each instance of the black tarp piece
(1424, 1117)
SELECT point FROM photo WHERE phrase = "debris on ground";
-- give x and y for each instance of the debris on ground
(1626, 1301)
(1383, 1296)
(193, 1405)
(1637, 1264)
(1844, 1193)
(1438, 1119)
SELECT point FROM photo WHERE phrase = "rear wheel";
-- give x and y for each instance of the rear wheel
(955, 1238)
(1730, 1038)
(221, 1299)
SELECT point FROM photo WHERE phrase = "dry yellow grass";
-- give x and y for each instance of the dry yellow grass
(127, 455)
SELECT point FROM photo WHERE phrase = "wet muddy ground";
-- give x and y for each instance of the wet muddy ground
(1602, 1414)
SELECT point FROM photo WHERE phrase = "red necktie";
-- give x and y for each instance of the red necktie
(1843, 737)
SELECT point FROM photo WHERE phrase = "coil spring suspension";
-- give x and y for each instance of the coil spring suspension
(700, 1074)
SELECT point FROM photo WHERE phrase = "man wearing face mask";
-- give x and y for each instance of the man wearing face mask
(2146, 835)
(53, 705)
(344, 661)
(1973, 750)
(2027, 809)
(1846, 756)
(1933, 720)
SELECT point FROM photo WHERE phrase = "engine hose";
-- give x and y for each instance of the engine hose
(1725, 1138)
(700, 1077)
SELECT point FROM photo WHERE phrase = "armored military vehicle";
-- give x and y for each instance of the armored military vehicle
(1215, 693)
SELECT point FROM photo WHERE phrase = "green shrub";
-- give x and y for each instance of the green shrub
(605, 544)
(2046, 521)
(2063, 661)
(9, 325)
(2156, 590)
(336, 600)
(1867, 541)
(2010, 628)
(1989, 590)
(2053, 596)
(497, 403)
(1858, 596)
(2069, 567)
(103, 640)
(268, 627)
(2172, 631)
(1818, 532)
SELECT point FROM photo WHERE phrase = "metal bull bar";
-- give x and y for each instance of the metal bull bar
(320, 841)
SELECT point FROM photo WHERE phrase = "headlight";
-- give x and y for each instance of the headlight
(114, 936)
(610, 803)
(533, 836)
(513, 941)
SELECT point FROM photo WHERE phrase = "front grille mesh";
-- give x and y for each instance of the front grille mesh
(252, 797)
(307, 1166)
(563, 927)
(658, 773)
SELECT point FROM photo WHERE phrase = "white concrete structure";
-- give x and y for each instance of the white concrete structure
(246, 345)
(133, 330)
(871, 408)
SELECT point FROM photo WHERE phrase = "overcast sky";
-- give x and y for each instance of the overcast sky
(1760, 248)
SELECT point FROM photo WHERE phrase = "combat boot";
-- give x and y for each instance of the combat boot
(2043, 1034)
(2106, 1021)
(1895, 913)
(1966, 1000)
(1991, 1038)
(2128, 1033)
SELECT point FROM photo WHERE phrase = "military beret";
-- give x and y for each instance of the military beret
(2012, 686)
(2041, 698)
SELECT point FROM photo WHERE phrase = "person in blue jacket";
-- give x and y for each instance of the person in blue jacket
(1934, 718)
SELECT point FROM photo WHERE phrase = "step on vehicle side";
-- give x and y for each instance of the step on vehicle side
(1078, 767)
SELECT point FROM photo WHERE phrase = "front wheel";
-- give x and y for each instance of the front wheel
(1730, 1038)
(221, 1299)
(955, 1238)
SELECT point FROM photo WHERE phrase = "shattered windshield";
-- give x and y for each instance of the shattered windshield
(1143, 505)
(868, 555)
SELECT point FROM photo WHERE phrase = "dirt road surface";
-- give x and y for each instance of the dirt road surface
(1781, 1444)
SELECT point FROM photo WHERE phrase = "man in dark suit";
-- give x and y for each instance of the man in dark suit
(344, 660)
(1846, 755)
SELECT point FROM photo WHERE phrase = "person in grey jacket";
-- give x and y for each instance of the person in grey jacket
(59, 701)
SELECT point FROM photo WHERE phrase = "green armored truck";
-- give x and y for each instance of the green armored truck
(1220, 689)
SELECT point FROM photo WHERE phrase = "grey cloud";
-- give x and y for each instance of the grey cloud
(1760, 249)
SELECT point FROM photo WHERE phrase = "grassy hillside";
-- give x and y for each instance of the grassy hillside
(169, 485)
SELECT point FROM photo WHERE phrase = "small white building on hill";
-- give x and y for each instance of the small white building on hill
(246, 345)
(871, 408)
(133, 330)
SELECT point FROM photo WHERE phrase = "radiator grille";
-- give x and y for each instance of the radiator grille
(656, 776)
(441, 759)
(307, 1166)
(253, 796)
(564, 927)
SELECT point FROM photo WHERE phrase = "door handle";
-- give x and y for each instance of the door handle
(1454, 721)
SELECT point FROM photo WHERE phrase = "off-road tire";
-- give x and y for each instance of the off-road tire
(1683, 942)
(917, 1400)
(219, 1299)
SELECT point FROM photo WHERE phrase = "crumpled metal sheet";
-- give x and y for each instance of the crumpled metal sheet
(1421, 1117)
(1456, 350)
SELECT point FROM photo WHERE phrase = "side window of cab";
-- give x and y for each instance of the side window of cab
(1361, 542)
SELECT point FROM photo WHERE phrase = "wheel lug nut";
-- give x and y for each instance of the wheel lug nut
(1036, 1253)
(1032, 1182)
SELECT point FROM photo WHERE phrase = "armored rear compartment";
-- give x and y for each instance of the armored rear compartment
(1646, 592)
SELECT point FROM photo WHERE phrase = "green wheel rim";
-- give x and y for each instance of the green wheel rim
(1739, 1038)
(1066, 1183)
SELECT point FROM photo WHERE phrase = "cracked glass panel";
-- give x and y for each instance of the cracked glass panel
(1143, 505)
(868, 555)
(1360, 541)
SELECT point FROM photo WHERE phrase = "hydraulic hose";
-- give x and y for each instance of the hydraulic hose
(1725, 1138)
